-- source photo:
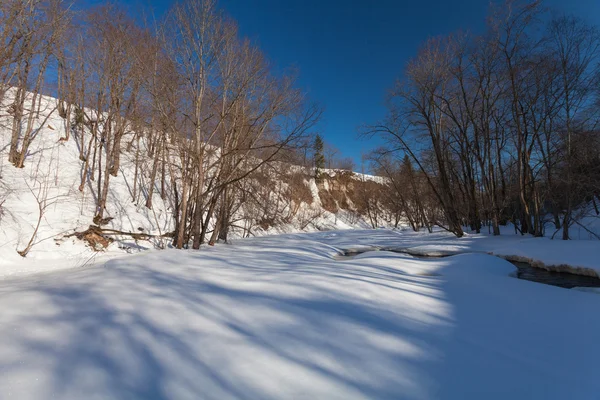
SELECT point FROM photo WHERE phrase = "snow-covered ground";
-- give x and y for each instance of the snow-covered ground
(576, 256)
(282, 317)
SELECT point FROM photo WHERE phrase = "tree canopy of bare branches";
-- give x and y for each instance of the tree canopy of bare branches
(494, 123)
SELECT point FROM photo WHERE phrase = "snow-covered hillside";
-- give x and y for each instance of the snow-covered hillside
(48, 192)
(48, 187)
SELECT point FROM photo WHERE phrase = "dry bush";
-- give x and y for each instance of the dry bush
(94, 238)
(345, 178)
(298, 190)
(340, 193)
(328, 201)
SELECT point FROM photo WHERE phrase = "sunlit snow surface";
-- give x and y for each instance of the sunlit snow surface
(282, 318)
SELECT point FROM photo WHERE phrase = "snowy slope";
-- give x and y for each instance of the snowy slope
(279, 317)
(53, 172)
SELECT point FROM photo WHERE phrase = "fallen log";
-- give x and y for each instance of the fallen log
(97, 238)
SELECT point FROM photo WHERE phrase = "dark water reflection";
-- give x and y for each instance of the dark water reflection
(524, 271)
(562, 279)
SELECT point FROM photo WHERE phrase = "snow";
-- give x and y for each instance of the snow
(282, 317)
(54, 167)
(53, 170)
(586, 224)
(577, 256)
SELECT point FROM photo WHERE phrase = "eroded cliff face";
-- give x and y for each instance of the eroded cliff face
(365, 196)
(296, 200)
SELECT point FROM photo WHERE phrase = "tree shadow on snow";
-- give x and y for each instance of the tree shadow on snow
(260, 325)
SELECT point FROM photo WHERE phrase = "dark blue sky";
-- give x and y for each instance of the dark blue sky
(349, 52)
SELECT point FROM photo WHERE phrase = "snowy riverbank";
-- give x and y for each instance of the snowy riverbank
(280, 317)
(579, 257)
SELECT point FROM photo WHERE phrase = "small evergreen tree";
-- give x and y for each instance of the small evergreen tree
(319, 157)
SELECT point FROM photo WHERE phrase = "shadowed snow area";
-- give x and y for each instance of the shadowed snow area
(280, 318)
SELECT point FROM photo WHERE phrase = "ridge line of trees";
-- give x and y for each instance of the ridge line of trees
(499, 127)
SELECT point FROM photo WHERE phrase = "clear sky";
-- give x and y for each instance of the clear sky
(350, 52)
